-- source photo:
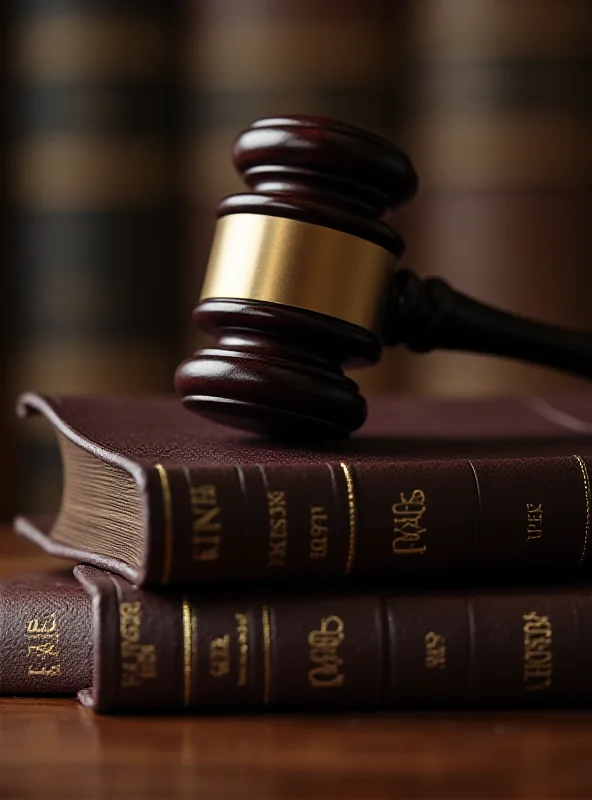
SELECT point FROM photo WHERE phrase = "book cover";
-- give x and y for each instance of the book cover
(427, 487)
(329, 650)
(45, 634)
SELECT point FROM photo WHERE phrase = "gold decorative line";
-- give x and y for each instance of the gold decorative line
(187, 651)
(588, 495)
(168, 522)
(266, 654)
(351, 503)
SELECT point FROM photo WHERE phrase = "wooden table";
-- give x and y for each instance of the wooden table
(55, 749)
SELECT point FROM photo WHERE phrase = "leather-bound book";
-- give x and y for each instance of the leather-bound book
(161, 496)
(329, 650)
(45, 635)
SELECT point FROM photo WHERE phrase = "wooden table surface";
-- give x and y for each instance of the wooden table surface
(56, 749)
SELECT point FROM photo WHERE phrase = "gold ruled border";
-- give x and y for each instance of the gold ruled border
(353, 532)
(168, 522)
(587, 492)
(265, 619)
(187, 651)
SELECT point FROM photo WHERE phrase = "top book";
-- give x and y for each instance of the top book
(161, 496)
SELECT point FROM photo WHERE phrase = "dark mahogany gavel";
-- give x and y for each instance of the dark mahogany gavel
(302, 282)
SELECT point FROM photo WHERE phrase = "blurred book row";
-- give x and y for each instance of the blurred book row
(120, 118)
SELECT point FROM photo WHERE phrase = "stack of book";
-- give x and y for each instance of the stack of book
(435, 558)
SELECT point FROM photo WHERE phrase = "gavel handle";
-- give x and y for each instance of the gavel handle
(428, 314)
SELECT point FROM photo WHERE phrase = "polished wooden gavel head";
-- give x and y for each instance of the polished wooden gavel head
(302, 283)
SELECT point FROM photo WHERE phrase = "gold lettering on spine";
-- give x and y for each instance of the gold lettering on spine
(266, 625)
(435, 651)
(168, 523)
(242, 635)
(534, 521)
(278, 529)
(538, 655)
(352, 516)
(319, 533)
(188, 644)
(324, 644)
(408, 530)
(220, 656)
(587, 494)
(43, 653)
(206, 526)
(138, 661)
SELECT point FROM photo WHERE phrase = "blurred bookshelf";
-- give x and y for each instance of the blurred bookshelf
(499, 130)
(94, 194)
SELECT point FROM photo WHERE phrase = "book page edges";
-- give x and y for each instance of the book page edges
(39, 529)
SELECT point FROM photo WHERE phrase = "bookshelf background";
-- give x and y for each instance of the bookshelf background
(500, 125)
(93, 188)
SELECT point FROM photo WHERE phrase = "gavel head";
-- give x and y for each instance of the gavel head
(298, 277)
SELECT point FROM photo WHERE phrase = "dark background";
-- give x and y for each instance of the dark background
(119, 118)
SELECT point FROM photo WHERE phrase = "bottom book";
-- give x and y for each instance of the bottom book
(336, 650)
(123, 649)
(46, 642)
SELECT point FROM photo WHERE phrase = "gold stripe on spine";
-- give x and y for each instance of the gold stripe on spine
(188, 622)
(588, 496)
(265, 619)
(277, 260)
(168, 523)
(351, 507)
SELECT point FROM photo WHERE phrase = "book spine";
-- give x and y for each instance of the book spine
(93, 187)
(46, 636)
(337, 520)
(510, 648)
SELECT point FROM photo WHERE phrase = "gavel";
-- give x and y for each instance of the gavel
(303, 282)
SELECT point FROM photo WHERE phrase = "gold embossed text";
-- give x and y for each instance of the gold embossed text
(319, 533)
(408, 529)
(538, 654)
(324, 653)
(435, 651)
(534, 521)
(278, 529)
(242, 634)
(138, 661)
(220, 656)
(43, 653)
(206, 525)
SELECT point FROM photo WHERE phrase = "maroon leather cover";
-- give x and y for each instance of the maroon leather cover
(328, 650)
(427, 486)
(45, 635)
